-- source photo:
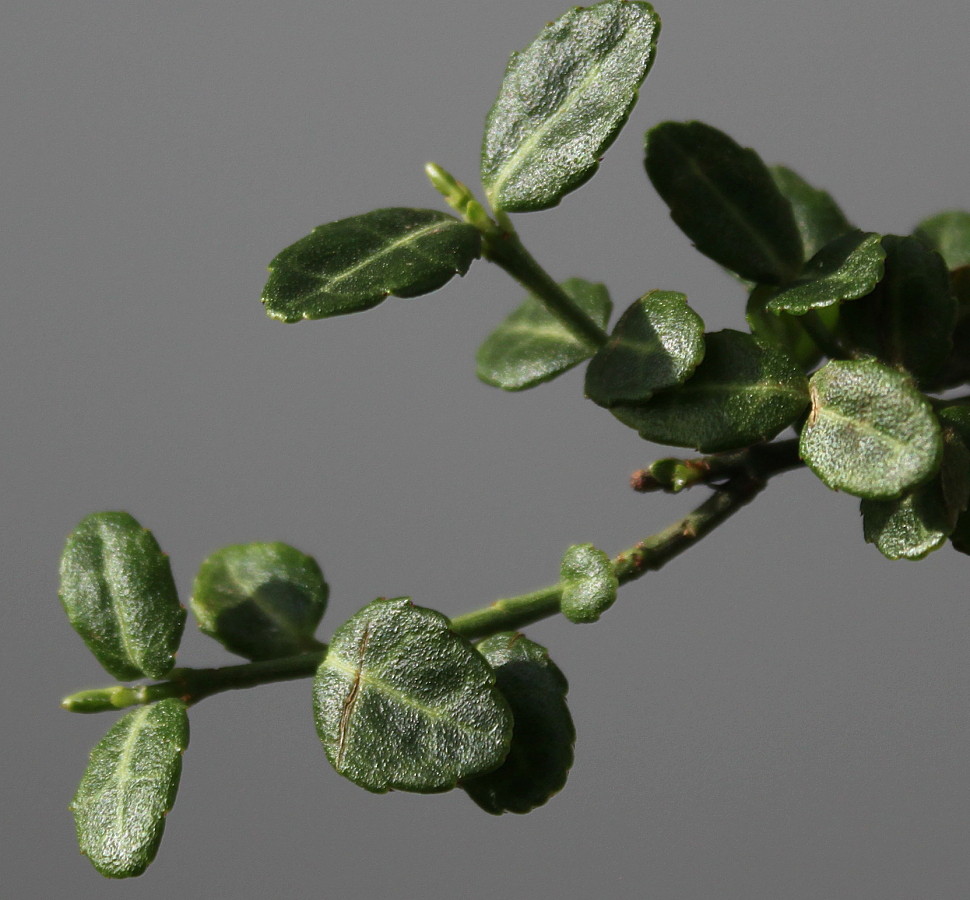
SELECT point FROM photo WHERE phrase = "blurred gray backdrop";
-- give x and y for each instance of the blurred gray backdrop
(781, 713)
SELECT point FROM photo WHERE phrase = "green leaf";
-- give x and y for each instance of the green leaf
(743, 392)
(589, 583)
(118, 591)
(532, 346)
(817, 215)
(955, 477)
(784, 331)
(563, 101)
(129, 786)
(402, 702)
(849, 267)
(262, 601)
(870, 432)
(353, 264)
(542, 744)
(657, 344)
(724, 199)
(949, 234)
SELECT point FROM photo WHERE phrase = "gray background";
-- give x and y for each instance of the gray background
(780, 713)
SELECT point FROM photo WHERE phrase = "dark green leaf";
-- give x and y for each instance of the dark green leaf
(955, 477)
(562, 102)
(129, 786)
(542, 743)
(589, 583)
(784, 331)
(402, 702)
(743, 392)
(657, 344)
(261, 601)
(850, 267)
(724, 199)
(118, 591)
(817, 215)
(532, 346)
(949, 234)
(353, 264)
(870, 432)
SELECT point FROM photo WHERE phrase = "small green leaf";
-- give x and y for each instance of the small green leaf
(542, 744)
(119, 594)
(353, 264)
(589, 583)
(128, 788)
(849, 267)
(870, 433)
(784, 331)
(743, 392)
(563, 101)
(817, 215)
(657, 344)
(949, 234)
(532, 346)
(262, 601)
(724, 199)
(402, 702)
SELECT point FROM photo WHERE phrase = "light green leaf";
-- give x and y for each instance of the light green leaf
(402, 702)
(949, 234)
(817, 215)
(353, 264)
(743, 392)
(589, 583)
(910, 526)
(562, 102)
(724, 199)
(542, 743)
(870, 431)
(849, 267)
(532, 346)
(657, 344)
(119, 594)
(128, 788)
(262, 601)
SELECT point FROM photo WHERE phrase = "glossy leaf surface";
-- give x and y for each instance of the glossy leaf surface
(817, 216)
(724, 199)
(261, 601)
(119, 594)
(562, 102)
(353, 264)
(656, 344)
(542, 743)
(949, 234)
(402, 702)
(532, 346)
(743, 392)
(129, 786)
(589, 583)
(870, 431)
(849, 267)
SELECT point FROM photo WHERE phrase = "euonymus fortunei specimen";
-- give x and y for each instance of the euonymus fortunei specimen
(858, 344)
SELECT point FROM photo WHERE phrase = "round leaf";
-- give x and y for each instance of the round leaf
(402, 702)
(910, 526)
(657, 344)
(541, 753)
(589, 583)
(262, 601)
(128, 788)
(353, 264)
(817, 216)
(119, 594)
(949, 234)
(562, 102)
(870, 432)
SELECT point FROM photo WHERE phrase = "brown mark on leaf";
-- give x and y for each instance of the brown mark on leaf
(352, 696)
(813, 396)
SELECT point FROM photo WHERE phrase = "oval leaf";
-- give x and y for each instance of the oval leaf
(743, 392)
(910, 526)
(262, 601)
(657, 344)
(562, 102)
(724, 199)
(532, 346)
(817, 216)
(542, 744)
(118, 591)
(353, 264)
(589, 583)
(129, 786)
(949, 234)
(402, 702)
(870, 432)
